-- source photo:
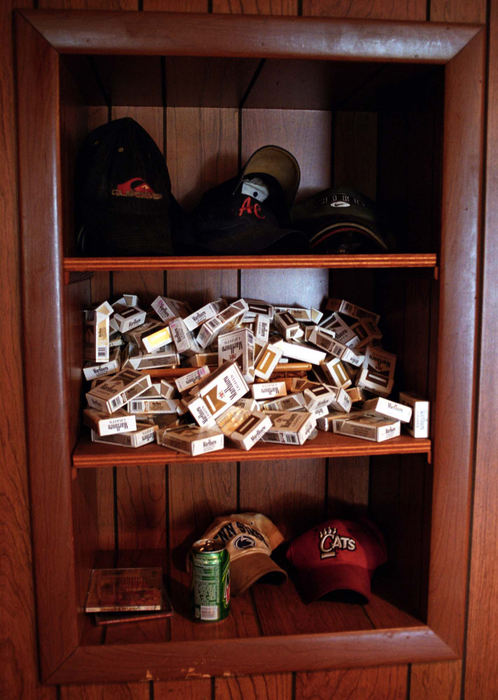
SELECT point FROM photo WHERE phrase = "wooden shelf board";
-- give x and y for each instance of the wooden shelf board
(227, 262)
(269, 628)
(88, 454)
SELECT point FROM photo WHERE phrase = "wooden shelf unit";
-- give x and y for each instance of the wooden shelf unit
(410, 131)
(325, 445)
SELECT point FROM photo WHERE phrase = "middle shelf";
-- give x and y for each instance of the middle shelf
(88, 454)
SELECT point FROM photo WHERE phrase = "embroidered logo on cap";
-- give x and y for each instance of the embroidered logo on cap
(135, 187)
(331, 541)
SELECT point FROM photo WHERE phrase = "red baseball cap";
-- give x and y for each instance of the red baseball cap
(337, 555)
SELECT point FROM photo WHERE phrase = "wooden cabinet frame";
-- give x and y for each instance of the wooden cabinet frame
(42, 38)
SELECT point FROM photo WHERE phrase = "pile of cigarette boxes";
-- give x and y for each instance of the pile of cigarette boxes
(236, 389)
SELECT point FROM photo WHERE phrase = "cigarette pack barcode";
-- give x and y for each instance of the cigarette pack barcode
(117, 402)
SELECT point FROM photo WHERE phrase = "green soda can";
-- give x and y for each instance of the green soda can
(210, 580)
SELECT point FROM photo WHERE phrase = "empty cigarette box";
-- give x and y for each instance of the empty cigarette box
(225, 320)
(191, 439)
(197, 318)
(126, 318)
(104, 424)
(419, 424)
(114, 392)
(377, 372)
(368, 426)
(267, 360)
(143, 435)
(167, 309)
(303, 353)
(290, 428)
(97, 333)
(216, 393)
(238, 346)
(268, 390)
(390, 409)
(92, 370)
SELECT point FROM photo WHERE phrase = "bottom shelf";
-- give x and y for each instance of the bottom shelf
(269, 629)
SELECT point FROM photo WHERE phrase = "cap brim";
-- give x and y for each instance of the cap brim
(279, 163)
(367, 235)
(252, 567)
(314, 584)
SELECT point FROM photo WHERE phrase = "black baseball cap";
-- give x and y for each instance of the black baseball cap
(250, 213)
(124, 204)
(340, 220)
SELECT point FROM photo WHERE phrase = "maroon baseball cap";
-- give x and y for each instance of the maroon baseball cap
(337, 555)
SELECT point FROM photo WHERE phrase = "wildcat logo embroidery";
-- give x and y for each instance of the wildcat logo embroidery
(331, 541)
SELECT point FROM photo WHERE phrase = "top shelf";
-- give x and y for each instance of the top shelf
(226, 262)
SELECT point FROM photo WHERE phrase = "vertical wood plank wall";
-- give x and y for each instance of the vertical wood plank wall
(216, 130)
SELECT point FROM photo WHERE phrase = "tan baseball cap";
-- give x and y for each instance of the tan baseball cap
(250, 538)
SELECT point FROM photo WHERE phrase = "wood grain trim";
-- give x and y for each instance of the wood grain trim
(156, 33)
(456, 373)
(233, 262)
(88, 454)
(45, 379)
(227, 657)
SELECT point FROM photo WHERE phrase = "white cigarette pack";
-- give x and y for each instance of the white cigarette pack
(135, 335)
(377, 372)
(183, 339)
(256, 306)
(343, 333)
(326, 423)
(220, 390)
(418, 426)
(268, 390)
(287, 325)
(390, 409)
(114, 392)
(143, 435)
(153, 405)
(290, 428)
(349, 309)
(197, 318)
(153, 360)
(301, 314)
(97, 333)
(368, 426)
(262, 328)
(336, 373)
(92, 370)
(225, 320)
(318, 396)
(189, 380)
(303, 353)
(104, 424)
(293, 402)
(267, 360)
(168, 309)
(191, 439)
(126, 318)
(251, 430)
(238, 346)
(334, 347)
(157, 339)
